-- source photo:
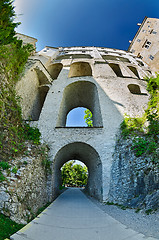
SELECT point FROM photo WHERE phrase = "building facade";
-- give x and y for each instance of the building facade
(109, 82)
(145, 44)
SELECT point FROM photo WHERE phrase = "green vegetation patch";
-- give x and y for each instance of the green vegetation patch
(8, 227)
(88, 118)
(74, 175)
(145, 130)
(13, 57)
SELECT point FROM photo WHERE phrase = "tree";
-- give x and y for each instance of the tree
(74, 174)
(13, 57)
(7, 24)
(88, 118)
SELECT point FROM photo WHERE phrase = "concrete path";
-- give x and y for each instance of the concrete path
(72, 216)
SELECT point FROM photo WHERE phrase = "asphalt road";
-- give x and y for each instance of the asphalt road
(72, 216)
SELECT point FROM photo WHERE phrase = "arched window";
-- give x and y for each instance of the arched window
(134, 88)
(134, 70)
(79, 69)
(115, 58)
(116, 69)
(55, 69)
(39, 102)
(80, 94)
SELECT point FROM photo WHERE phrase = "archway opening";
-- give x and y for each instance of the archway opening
(134, 88)
(116, 69)
(134, 70)
(39, 102)
(86, 154)
(74, 173)
(80, 94)
(55, 69)
(79, 69)
(79, 117)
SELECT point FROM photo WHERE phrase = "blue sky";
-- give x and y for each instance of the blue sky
(83, 22)
(76, 117)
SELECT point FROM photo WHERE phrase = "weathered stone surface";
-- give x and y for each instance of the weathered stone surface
(4, 197)
(24, 193)
(152, 201)
(97, 80)
(134, 180)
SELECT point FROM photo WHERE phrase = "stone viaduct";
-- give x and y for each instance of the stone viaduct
(109, 82)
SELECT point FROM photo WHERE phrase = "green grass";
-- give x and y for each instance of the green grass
(8, 227)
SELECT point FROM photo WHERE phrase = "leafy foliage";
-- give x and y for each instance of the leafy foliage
(13, 56)
(74, 174)
(4, 165)
(8, 227)
(152, 112)
(141, 146)
(146, 128)
(88, 118)
(132, 125)
(7, 24)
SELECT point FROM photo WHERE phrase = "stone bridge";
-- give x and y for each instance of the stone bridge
(109, 82)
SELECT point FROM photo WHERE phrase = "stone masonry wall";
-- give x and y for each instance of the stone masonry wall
(24, 192)
(134, 180)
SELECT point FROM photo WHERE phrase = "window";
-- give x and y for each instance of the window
(140, 63)
(151, 57)
(134, 70)
(153, 32)
(134, 89)
(138, 40)
(116, 69)
(139, 56)
(146, 44)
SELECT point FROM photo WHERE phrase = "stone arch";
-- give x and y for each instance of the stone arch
(116, 69)
(80, 94)
(39, 102)
(134, 70)
(79, 69)
(84, 55)
(37, 93)
(86, 154)
(55, 69)
(115, 58)
(134, 88)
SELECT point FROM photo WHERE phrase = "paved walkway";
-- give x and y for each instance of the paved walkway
(72, 216)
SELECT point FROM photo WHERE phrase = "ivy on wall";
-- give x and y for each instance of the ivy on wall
(13, 57)
(145, 129)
